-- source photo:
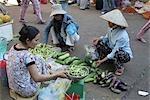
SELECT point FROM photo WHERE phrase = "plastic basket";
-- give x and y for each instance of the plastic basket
(3, 47)
(72, 97)
(3, 74)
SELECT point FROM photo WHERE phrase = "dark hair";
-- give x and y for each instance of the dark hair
(28, 32)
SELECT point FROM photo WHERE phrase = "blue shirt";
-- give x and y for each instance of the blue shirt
(115, 39)
(66, 20)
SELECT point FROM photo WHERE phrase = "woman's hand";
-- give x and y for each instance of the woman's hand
(61, 73)
(95, 41)
(99, 62)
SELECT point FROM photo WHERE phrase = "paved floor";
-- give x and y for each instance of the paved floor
(136, 72)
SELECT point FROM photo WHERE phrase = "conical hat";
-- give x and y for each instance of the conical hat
(116, 17)
(57, 9)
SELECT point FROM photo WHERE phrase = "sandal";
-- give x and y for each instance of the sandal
(41, 22)
(119, 71)
(22, 21)
(142, 40)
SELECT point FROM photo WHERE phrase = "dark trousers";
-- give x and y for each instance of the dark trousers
(120, 57)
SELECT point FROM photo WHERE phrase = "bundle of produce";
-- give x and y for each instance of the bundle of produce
(4, 18)
(94, 73)
(66, 59)
(77, 72)
(42, 49)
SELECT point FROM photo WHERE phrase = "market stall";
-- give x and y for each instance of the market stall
(76, 68)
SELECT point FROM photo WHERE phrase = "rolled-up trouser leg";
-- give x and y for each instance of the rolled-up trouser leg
(121, 57)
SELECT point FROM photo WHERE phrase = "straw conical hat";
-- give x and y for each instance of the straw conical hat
(57, 9)
(116, 17)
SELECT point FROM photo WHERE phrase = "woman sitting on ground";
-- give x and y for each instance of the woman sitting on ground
(25, 73)
(115, 45)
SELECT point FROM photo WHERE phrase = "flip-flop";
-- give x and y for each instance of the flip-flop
(142, 40)
(119, 71)
(41, 22)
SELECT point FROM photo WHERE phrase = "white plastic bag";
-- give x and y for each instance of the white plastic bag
(91, 52)
(55, 66)
(56, 90)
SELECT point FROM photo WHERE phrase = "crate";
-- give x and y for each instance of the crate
(3, 74)
(3, 47)
(6, 30)
(77, 88)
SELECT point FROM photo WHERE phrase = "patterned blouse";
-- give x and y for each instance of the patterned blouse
(19, 77)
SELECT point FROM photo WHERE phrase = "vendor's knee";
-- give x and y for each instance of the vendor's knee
(122, 56)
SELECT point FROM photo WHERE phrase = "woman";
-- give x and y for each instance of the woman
(63, 28)
(108, 5)
(36, 8)
(115, 45)
(25, 74)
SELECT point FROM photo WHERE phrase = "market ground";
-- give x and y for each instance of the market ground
(136, 72)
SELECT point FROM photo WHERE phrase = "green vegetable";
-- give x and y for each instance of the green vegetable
(94, 81)
(78, 71)
(91, 75)
(60, 62)
(94, 64)
(83, 64)
(69, 61)
(76, 62)
(66, 55)
(89, 80)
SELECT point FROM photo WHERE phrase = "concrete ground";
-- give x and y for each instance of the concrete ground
(136, 72)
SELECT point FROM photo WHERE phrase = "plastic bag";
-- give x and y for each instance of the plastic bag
(55, 66)
(91, 52)
(56, 90)
(47, 94)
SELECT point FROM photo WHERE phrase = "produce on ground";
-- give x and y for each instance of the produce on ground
(4, 18)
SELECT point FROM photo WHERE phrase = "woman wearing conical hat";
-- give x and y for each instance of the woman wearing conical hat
(115, 44)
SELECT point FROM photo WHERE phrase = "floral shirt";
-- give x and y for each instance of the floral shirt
(19, 77)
